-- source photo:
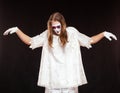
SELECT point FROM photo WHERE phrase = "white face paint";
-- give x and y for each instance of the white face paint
(57, 28)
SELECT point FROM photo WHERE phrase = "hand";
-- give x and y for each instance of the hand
(11, 30)
(108, 35)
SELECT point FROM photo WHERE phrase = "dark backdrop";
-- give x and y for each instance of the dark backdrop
(19, 65)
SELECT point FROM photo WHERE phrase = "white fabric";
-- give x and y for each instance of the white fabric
(62, 90)
(61, 67)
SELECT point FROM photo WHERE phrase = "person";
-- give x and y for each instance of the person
(61, 68)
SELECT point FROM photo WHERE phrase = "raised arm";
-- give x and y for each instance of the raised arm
(98, 37)
(25, 38)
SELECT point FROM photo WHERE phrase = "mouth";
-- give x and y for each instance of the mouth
(57, 32)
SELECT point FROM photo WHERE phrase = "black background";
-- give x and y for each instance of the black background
(19, 65)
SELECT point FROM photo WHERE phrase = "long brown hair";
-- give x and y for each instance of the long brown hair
(63, 35)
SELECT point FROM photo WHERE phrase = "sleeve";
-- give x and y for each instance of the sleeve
(84, 40)
(38, 40)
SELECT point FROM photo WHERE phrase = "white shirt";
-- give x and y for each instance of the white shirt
(61, 67)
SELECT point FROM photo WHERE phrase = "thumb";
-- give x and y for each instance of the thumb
(109, 38)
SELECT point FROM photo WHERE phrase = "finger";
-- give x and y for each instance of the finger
(109, 38)
(11, 32)
(6, 32)
(114, 37)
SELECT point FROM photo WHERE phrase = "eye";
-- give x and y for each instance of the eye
(58, 26)
(54, 27)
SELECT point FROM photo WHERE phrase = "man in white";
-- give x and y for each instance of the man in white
(61, 69)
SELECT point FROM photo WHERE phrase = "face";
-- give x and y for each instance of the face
(56, 26)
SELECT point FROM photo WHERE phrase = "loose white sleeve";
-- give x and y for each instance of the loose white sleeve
(38, 40)
(84, 40)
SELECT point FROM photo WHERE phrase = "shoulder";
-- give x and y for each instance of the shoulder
(71, 28)
(44, 33)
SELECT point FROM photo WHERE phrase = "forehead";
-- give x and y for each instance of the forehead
(55, 23)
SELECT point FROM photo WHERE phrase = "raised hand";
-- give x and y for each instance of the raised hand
(109, 35)
(11, 30)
